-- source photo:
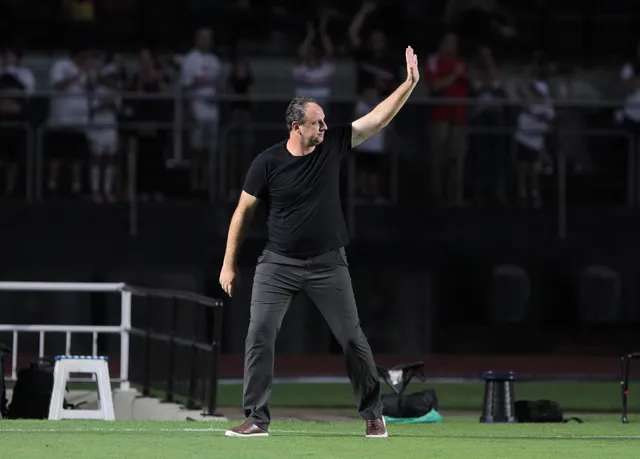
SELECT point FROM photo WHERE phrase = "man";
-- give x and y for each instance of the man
(299, 178)
(72, 78)
(201, 70)
(447, 77)
(18, 80)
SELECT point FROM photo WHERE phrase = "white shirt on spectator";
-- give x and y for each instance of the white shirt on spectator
(534, 122)
(631, 108)
(23, 75)
(72, 106)
(197, 64)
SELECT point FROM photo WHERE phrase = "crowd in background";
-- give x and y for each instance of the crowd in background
(84, 149)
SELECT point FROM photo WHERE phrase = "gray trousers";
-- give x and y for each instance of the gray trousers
(326, 281)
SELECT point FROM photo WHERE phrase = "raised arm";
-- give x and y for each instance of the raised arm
(240, 222)
(385, 111)
(358, 20)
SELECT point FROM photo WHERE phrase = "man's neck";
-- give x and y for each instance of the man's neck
(296, 148)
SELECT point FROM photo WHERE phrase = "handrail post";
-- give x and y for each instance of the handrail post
(125, 325)
(178, 120)
(146, 373)
(171, 364)
(212, 397)
(193, 365)
(30, 161)
(39, 161)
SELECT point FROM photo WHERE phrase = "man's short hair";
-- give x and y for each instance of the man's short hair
(296, 111)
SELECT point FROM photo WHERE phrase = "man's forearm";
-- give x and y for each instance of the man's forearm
(237, 230)
(389, 108)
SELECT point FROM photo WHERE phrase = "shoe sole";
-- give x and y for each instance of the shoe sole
(231, 433)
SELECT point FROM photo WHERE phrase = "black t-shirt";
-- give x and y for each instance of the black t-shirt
(303, 196)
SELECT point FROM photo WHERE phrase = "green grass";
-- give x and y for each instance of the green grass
(572, 396)
(457, 438)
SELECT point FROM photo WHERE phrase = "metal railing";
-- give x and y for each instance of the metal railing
(218, 153)
(205, 398)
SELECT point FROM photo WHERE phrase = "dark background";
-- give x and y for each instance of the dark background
(424, 275)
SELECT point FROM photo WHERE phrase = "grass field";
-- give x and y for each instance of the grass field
(460, 436)
(457, 438)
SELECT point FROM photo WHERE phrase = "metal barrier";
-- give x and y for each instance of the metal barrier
(207, 396)
(218, 152)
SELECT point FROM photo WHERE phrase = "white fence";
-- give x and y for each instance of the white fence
(123, 329)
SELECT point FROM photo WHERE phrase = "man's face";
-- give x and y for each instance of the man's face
(314, 127)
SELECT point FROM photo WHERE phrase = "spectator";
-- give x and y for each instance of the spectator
(69, 115)
(103, 138)
(201, 78)
(447, 77)
(534, 122)
(314, 71)
(630, 76)
(487, 150)
(376, 67)
(370, 160)
(18, 82)
(148, 144)
(239, 83)
(117, 61)
(573, 122)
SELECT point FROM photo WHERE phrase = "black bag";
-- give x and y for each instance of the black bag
(541, 411)
(32, 392)
(409, 405)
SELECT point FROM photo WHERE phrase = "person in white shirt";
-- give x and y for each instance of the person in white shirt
(103, 137)
(201, 79)
(534, 123)
(314, 71)
(18, 80)
(71, 78)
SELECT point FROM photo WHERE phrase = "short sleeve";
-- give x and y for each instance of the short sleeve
(189, 70)
(339, 138)
(59, 72)
(256, 183)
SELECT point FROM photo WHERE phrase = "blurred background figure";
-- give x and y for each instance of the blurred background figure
(447, 77)
(488, 150)
(534, 123)
(314, 70)
(377, 66)
(240, 83)
(16, 84)
(72, 77)
(103, 137)
(371, 164)
(148, 144)
(202, 79)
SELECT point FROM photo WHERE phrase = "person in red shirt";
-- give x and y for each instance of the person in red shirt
(447, 77)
